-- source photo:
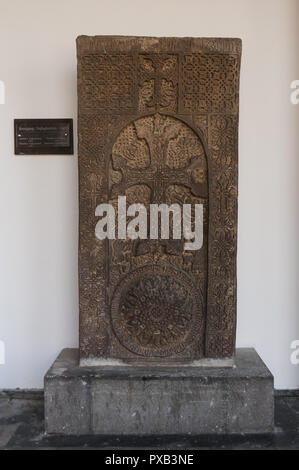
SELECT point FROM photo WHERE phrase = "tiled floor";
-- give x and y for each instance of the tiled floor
(22, 426)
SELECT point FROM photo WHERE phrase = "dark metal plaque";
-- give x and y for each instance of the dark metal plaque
(43, 136)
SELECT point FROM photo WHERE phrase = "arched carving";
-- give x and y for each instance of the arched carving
(158, 159)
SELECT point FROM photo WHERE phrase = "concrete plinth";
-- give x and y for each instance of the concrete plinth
(139, 400)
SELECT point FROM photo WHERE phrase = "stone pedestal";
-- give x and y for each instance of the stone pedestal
(127, 400)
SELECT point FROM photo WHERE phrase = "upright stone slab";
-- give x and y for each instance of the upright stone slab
(158, 123)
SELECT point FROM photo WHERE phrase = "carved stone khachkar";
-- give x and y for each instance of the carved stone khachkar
(158, 123)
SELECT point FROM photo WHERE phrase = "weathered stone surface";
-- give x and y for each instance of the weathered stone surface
(130, 400)
(158, 123)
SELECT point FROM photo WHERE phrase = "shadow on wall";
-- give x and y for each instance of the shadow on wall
(2, 92)
(2, 353)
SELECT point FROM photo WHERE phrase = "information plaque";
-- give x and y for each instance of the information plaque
(43, 136)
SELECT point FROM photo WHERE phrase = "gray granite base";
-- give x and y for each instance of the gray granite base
(156, 400)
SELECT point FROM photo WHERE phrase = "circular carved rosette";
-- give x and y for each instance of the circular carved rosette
(156, 311)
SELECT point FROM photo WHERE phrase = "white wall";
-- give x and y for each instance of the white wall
(39, 211)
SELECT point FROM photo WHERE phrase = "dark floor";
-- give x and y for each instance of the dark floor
(22, 426)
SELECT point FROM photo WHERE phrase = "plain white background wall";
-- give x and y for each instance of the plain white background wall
(39, 207)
